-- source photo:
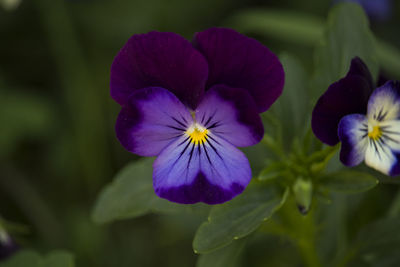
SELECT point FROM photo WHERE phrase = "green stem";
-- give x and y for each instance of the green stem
(299, 229)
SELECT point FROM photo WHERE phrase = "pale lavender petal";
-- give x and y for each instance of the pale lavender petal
(353, 133)
(212, 172)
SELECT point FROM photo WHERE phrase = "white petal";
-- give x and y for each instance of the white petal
(379, 156)
(384, 103)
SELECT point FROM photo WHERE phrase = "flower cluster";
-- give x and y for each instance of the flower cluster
(366, 121)
(191, 105)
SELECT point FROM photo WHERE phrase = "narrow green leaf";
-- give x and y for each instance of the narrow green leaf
(28, 258)
(239, 217)
(131, 195)
(349, 181)
(226, 256)
(347, 36)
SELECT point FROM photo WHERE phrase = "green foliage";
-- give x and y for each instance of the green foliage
(347, 36)
(348, 181)
(130, 195)
(226, 256)
(292, 106)
(281, 24)
(25, 115)
(377, 245)
(238, 217)
(28, 258)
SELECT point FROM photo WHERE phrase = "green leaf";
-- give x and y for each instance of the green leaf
(281, 24)
(274, 170)
(239, 217)
(131, 195)
(292, 106)
(25, 115)
(30, 258)
(377, 245)
(303, 29)
(226, 256)
(347, 35)
(349, 181)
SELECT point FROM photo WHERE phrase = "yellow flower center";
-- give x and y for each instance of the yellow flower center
(197, 134)
(376, 133)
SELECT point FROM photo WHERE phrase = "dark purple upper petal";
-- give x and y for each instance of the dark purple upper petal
(231, 114)
(159, 59)
(151, 119)
(347, 96)
(241, 62)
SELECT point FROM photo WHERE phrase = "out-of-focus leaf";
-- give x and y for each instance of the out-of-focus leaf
(377, 245)
(291, 107)
(239, 217)
(272, 171)
(303, 29)
(349, 181)
(347, 36)
(282, 24)
(23, 115)
(227, 256)
(131, 195)
(27, 258)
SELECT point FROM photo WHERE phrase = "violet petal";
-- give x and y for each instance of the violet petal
(151, 119)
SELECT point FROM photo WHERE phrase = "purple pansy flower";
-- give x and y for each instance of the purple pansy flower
(365, 121)
(191, 105)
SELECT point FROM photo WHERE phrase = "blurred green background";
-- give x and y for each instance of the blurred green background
(57, 141)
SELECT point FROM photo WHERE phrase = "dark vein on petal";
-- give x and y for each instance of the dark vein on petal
(215, 150)
(389, 138)
(183, 118)
(376, 148)
(208, 157)
(184, 141)
(191, 154)
(183, 151)
(215, 124)
(209, 118)
(213, 139)
(382, 144)
(391, 132)
(202, 119)
(176, 128)
(180, 123)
